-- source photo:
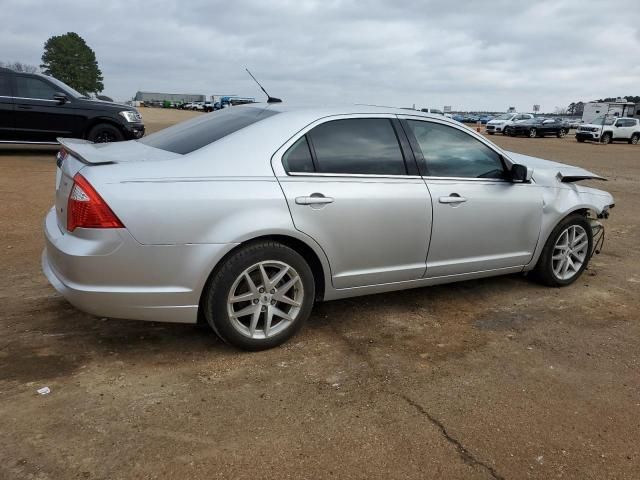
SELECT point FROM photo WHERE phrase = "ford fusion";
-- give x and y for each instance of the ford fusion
(245, 218)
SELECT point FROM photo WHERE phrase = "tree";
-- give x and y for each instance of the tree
(69, 59)
(19, 67)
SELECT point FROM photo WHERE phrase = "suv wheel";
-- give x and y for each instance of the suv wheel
(605, 139)
(566, 253)
(562, 133)
(260, 296)
(103, 133)
(634, 139)
(533, 133)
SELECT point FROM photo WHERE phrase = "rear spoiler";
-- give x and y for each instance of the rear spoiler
(85, 151)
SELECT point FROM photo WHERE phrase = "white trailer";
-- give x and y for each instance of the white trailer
(620, 108)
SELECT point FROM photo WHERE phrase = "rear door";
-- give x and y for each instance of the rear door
(353, 187)
(40, 118)
(7, 131)
(481, 221)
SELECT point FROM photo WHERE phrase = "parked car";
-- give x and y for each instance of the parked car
(537, 127)
(37, 108)
(606, 129)
(208, 107)
(498, 124)
(244, 219)
(458, 117)
(471, 118)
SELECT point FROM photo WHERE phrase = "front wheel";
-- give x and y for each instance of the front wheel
(566, 253)
(605, 139)
(105, 133)
(260, 296)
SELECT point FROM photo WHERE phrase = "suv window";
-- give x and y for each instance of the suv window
(298, 157)
(31, 87)
(359, 146)
(5, 85)
(450, 152)
(185, 137)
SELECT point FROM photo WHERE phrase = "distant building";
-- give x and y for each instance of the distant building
(155, 97)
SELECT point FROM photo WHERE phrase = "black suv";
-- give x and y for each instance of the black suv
(36, 108)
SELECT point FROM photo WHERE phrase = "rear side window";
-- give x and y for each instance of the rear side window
(31, 87)
(450, 152)
(5, 85)
(298, 157)
(363, 146)
(185, 137)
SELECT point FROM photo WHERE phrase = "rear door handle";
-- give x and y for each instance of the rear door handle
(314, 199)
(453, 198)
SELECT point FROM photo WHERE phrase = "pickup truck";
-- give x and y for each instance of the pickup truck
(606, 129)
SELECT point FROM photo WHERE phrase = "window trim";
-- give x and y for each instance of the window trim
(422, 164)
(277, 160)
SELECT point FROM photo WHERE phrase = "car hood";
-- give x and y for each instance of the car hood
(496, 122)
(547, 171)
(103, 104)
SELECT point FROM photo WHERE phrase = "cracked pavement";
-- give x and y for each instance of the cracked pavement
(493, 379)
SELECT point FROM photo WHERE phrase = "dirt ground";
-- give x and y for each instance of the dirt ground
(491, 379)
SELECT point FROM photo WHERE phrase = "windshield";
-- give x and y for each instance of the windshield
(504, 116)
(65, 88)
(604, 120)
(185, 137)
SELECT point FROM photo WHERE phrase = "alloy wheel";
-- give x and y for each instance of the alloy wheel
(634, 139)
(105, 136)
(532, 133)
(570, 252)
(265, 299)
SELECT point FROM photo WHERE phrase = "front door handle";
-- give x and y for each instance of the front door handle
(314, 199)
(453, 198)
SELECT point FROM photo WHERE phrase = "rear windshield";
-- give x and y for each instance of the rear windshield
(185, 137)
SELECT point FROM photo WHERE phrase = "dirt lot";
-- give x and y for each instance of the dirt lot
(498, 378)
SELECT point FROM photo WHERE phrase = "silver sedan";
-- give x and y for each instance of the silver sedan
(244, 218)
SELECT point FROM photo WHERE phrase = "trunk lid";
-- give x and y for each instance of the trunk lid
(77, 154)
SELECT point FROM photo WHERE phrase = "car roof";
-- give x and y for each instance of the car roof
(325, 111)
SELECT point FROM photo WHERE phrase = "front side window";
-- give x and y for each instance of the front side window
(5, 85)
(363, 146)
(30, 87)
(450, 152)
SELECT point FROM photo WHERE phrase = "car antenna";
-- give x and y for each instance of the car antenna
(270, 99)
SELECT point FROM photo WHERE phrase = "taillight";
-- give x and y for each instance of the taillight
(87, 209)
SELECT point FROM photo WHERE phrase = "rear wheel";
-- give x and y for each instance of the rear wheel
(635, 139)
(103, 133)
(606, 139)
(260, 296)
(533, 133)
(562, 133)
(566, 253)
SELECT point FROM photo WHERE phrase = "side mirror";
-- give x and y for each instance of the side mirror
(61, 98)
(520, 173)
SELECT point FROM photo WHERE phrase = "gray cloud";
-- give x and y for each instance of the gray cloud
(468, 54)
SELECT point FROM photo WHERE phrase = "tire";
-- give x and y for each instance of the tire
(635, 138)
(533, 133)
(490, 133)
(580, 140)
(549, 269)
(105, 132)
(250, 330)
(605, 139)
(561, 133)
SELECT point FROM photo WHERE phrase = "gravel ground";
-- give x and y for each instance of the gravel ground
(489, 379)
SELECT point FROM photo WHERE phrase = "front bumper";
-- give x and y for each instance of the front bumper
(133, 131)
(107, 273)
(593, 136)
(495, 128)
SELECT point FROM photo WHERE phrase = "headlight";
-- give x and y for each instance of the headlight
(131, 116)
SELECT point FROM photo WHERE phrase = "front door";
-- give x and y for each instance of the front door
(481, 221)
(348, 187)
(6, 108)
(40, 118)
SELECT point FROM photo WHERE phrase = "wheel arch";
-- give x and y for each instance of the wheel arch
(97, 121)
(316, 260)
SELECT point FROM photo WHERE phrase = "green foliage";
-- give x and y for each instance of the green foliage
(69, 59)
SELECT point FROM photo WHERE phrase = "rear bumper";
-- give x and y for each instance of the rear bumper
(107, 273)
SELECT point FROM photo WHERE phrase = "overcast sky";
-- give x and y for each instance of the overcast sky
(472, 55)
